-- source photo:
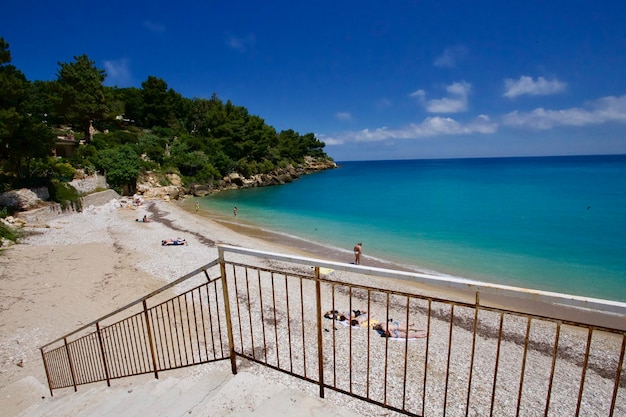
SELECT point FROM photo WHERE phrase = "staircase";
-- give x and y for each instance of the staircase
(214, 393)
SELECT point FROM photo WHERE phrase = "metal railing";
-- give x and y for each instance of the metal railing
(478, 357)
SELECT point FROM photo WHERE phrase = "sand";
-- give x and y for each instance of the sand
(82, 266)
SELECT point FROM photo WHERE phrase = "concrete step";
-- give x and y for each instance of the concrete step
(212, 393)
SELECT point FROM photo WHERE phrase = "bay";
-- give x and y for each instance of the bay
(549, 223)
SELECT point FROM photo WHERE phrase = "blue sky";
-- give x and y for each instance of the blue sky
(373, 79)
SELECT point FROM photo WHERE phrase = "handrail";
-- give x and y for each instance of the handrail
(270, 313)
(140, 300)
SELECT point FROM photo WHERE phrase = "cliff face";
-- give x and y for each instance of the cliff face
(150, 189)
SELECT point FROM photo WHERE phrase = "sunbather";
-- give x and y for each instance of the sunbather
(169, 242)
(355, 318)
(399, 330)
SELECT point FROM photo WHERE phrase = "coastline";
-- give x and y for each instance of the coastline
(298, 246)
(81, 266)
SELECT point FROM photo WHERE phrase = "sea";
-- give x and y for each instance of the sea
(547, 223)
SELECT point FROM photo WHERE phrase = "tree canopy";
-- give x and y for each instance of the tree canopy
(152, 127)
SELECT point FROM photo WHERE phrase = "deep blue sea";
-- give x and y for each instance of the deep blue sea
(550, 223)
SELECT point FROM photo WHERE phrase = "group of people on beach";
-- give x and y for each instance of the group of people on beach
(391, 328)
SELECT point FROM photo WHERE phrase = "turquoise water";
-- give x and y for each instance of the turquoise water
(551, 223)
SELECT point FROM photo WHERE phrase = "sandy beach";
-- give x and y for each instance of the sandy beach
(81, 266)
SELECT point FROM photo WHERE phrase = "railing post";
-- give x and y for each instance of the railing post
(320, 347)
(229, 324)
(151, 340)
(45, 365)
(69, 359)
(102, 352)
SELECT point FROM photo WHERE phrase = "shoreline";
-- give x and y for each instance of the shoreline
(292, 244)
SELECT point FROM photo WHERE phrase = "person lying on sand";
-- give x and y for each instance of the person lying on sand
(145, 219)
(178, 241)
(356, 317)
(398, 330)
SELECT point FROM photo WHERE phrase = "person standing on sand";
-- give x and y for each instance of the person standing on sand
(357, 253)
(197, 206)
(235, 210)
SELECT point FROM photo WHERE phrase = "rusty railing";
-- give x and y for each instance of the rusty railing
(472, 350)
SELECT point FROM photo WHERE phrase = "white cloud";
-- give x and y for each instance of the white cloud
(603, 110)
(384, 102)
(153, 26)
(118, 72)
(418, 93)
(241, 43)
(455, 102)
(527, 85)
(343, 115)
(430, 127)
(450, 56)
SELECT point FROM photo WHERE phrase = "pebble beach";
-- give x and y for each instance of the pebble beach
(80, 266)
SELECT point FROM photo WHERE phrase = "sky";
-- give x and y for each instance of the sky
(395, 79)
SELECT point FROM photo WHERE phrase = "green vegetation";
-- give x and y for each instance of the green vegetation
(125, 131)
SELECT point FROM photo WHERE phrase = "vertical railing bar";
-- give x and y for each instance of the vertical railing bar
(79, 360)
(275, 321)
(248, 296)
(202, 318)
(229, 324)
(618, 375)
(553, 366)
(495, 371)
(211, 319)
(110, 340)
(134, 334)
(103, 353)
(45, 366)
(176, 349)
(386, 352)
(69, 359)
(523, 370)
(426, 356)
(119, 349)
(162, 337)
(188, 350)
(334, 317)
(584, 372)
(320, 346)
(288, 323)
(369, 329)
(445, 395)
(195, 323)
(62, 366)
(303, 328)
(349, 319)
(54, 369)
(406, 351)
(128, 352)
(90, 366)
(171, 334)
(182, 328)
(238, 311)
(471, 370)
(150, 340)
(262, 315)
(145, 341)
